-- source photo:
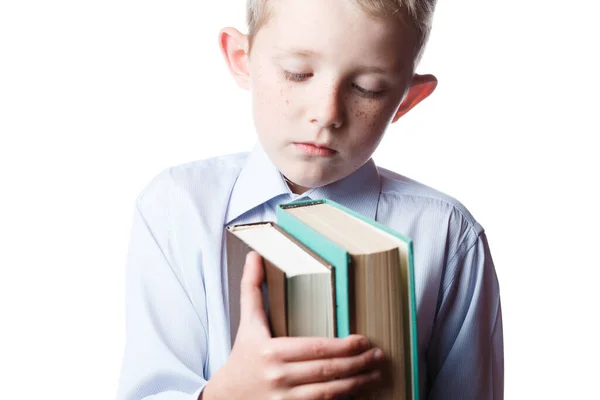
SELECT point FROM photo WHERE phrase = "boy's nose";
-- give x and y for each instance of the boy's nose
(327, 110)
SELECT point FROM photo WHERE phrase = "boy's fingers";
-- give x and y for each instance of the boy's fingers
(289, 349)
(335, 388)
(251, 300)
(313, 371)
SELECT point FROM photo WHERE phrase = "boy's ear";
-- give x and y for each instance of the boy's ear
(234, 46)
(420, 88)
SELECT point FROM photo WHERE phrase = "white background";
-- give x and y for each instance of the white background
(96, 97)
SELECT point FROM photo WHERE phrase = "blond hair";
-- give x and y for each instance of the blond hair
(417, 14)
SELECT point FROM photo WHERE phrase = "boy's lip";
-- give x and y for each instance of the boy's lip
(315, 149)
(315, 144)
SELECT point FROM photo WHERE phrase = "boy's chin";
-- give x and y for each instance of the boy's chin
(304, 182)
(309, 175)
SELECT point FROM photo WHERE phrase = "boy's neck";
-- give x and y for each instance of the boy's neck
(296, 189)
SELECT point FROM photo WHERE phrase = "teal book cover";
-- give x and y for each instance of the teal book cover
(334, 254)
(341, 261)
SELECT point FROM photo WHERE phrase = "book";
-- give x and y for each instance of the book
(300, 285)
(374, 268)
(366, 282)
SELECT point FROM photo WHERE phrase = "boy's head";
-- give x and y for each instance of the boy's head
(327, 77)
(414, 14)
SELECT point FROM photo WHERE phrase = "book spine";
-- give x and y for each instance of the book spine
(413, 321)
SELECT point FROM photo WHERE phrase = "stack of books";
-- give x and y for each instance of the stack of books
(332, 272)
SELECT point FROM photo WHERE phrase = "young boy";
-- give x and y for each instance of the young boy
(326, 78)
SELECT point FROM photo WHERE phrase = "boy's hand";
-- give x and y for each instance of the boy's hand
(262, 367)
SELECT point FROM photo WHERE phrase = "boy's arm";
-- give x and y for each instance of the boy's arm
(166, 336)
(166, 343)
(465, 356)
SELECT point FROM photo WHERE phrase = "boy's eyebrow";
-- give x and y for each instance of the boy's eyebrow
(304, 53)
(373, 69)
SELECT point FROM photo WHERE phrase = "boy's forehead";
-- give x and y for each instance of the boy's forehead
(337, 29)
(319, 16)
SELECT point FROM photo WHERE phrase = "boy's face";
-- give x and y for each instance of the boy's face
(326, 80)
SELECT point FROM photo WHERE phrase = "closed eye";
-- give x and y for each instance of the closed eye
(366, 92)
(296, 77)
(301, 77)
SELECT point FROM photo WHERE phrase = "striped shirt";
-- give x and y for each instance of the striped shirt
(177, 329)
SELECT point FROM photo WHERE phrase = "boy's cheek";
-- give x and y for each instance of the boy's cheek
(271, 119)
(368, 116)
(277, 104)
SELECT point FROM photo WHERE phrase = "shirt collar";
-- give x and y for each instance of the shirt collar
(260, 181)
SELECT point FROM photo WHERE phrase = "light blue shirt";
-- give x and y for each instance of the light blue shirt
(177, 329)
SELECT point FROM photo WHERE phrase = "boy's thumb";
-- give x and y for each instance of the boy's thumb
(252, 306)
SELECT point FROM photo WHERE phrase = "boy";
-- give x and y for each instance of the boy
(326, 78)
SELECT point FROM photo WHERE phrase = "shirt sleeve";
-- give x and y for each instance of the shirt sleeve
(166, 342)
(465, 355)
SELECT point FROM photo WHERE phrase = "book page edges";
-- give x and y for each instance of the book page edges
(275, 278)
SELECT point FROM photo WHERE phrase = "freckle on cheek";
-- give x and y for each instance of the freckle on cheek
(373, 121)
(287, 102)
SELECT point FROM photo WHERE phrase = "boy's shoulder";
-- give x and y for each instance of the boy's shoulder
(207, 176)
(425, 198)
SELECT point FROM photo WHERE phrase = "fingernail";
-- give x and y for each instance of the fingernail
(378, 354)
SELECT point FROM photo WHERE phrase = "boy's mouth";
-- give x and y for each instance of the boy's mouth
(314, 149)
